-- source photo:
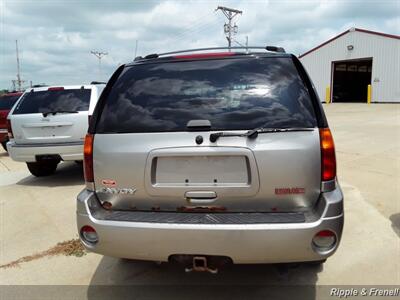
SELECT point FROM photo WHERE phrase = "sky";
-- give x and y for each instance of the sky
(55, 38)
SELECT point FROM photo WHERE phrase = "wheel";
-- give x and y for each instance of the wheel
(4, 144)
(40, 169)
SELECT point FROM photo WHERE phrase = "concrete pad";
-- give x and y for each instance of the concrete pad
(36, 212)
(367, 139)
(369, 250)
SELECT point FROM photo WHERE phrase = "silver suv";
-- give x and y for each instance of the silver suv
(222, 156)
(48, 124)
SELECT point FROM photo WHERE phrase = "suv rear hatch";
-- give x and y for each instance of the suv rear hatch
(51, 115)
(148, 156)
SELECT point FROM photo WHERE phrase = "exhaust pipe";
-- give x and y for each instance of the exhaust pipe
(199, 264)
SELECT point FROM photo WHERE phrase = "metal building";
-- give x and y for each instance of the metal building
(355, 66)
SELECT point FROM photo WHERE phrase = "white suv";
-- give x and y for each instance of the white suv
(48, 124)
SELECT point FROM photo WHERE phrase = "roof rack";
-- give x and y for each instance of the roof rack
(98, 82)
(268, 48)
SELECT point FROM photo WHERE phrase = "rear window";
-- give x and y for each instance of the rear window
(48, 101)
(233, 94)
(7, 102)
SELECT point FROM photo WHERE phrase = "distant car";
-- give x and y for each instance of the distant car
(48, 124)
(6, 103)
(212, 156)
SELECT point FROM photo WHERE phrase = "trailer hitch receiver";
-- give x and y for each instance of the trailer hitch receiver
(200, 265)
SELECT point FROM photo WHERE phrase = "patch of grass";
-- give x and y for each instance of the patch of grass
(68, 248)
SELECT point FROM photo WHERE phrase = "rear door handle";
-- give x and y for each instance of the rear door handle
(201, 196)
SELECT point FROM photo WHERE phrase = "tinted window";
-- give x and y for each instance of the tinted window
(45, 101)
(232, 94)
(7, 102)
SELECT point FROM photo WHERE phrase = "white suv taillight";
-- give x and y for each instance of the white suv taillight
(328, 158)
(88, 158)
(9, 129)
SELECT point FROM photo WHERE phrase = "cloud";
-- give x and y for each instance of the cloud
(55, 37)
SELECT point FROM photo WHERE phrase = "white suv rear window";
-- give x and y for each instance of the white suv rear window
(56, 100)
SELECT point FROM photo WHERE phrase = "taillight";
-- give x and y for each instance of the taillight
(328, 158)
(9, 129)
(88, 158)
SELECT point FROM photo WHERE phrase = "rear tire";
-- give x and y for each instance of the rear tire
(40, 169)
(4, 144)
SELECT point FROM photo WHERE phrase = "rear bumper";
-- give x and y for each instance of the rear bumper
(243, 243)
(28, 152)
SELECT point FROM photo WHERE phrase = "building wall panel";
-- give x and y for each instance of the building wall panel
(385, 54)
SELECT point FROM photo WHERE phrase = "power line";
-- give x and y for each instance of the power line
(201, 20)
(197, 26)
(195, 31)
(240, 44)
(229, 30)
(192, 30)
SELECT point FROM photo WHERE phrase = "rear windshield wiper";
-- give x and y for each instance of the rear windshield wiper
(54, 112)
(252, 134)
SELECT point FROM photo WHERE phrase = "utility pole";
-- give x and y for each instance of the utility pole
(18, 82)
(229, 30)
(99, 56)
(137, 42)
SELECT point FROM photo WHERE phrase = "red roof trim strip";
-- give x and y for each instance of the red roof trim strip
(12, 94)
(347, 31)
(56, 88)
(393, 36)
